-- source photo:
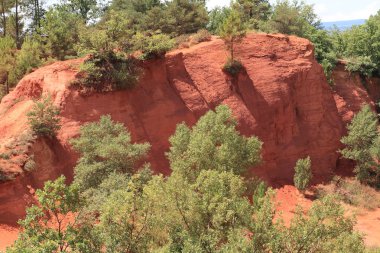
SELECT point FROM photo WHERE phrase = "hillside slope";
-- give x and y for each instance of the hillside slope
(282, 97)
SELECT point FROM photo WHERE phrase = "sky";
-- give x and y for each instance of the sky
(331, 10)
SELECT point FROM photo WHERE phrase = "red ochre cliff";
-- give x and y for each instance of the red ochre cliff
(282, 97)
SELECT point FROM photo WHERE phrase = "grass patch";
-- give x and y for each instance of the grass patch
(352, 192)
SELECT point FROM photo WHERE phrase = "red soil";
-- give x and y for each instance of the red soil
(282, 97)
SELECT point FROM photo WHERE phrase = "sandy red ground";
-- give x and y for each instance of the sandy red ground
(8, 236)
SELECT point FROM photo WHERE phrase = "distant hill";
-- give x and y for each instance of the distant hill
(343, 25)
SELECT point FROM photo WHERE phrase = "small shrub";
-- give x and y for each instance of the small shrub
(5, 177)
(43, 118)
(30, 164)
(5, 156)
(351, 192)
(152, 46)
(182, 41)
(201, 36)
(233, 67)
(302, 175)
(108, 71)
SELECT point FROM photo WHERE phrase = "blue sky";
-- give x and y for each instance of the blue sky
(332, 10)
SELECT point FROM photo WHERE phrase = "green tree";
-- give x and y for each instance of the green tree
(85, 8)
(216, 18)
(232, 31)
(303, 174)
(35, 11)
(201, 216)
(253, 11)
(185, 16)
(361, 138)
(125, 214)
(43, 117)
(213, 143)
(60, 29)
(105, 148)
(294, 18)
(28, 58)
(7, 60)
(55, 225)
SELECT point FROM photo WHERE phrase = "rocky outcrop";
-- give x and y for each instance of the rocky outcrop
(282, 97)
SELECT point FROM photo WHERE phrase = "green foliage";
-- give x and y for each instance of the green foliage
(60, 29)
(328, 63)
(232, 31)
(43, 117)
(217, 17)
(54, 224)
(324, 229)
(126, 216)
(152, 46)
(293, 18)
(233, 67)
(185, 16)
(114, 32)
(201, 207)
(360, 47)
(212, 144)
(303, 173)
(107, 71)
(7, 60)
(201, 216)
(363, 145)
(105, 148)
(28, 58)
(362, 65)
(253, 12)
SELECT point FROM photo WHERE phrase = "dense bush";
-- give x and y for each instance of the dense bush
(43, 117)
(303, 174)
(152, 46)
(362, 65)
(201, 36)
(106, 71)
(233, 67)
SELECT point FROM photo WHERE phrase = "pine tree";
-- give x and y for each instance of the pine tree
(361, 138)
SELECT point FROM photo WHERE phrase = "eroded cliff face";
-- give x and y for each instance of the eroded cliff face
(282, 97)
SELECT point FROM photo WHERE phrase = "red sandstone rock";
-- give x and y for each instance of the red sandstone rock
(282, 97)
